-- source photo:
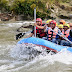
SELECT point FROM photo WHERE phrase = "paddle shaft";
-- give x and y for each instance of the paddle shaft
(35, 21)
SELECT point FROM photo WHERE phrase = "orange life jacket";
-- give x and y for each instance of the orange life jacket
(66, 33)
(52, 34)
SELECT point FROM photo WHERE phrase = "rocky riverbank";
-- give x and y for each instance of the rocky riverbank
(61, 10)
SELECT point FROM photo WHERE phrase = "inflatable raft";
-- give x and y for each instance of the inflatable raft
(44, 43)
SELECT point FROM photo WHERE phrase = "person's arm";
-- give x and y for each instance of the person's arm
(45, 28)
(40, 27)
(30, 35)
(59, 31)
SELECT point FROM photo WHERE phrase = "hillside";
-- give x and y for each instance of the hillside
(23, 9)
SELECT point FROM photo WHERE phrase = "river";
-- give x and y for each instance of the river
(24, 58)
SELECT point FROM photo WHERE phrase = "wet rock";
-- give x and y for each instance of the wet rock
(6, 16)
(5, 19)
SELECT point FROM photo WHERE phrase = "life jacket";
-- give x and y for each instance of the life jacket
(70, 38)
(61, 38)
(52, 34)
(40, 33)
(66, 33)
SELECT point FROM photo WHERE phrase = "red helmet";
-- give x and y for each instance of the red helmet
(53, 22)
(39, 19)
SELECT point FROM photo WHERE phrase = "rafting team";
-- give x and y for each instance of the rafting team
(51, 31)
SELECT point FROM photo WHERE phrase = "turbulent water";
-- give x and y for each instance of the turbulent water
(29, 58)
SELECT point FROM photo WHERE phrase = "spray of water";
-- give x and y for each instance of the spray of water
(30, 51)
(31, 58)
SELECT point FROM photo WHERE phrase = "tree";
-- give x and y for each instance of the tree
(4, 5)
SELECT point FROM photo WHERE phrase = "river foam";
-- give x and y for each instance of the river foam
(29, 58)
(30, 50)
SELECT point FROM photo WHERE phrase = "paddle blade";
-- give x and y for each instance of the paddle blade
(19, 35)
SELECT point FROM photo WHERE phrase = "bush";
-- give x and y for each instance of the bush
(22, 7)
(41, 15)
(26, 7)
(4, 5)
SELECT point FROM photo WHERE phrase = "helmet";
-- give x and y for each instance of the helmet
(62, 21)
(48, 21)
(67, 25)
(39, 19)
(57, 24)
(60, 26)
(53, 22)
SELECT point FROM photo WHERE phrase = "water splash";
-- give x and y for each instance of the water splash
(32, 51)
(25, 51)
(18, 24)
(27, 59)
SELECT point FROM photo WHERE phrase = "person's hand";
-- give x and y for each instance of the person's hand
(35, 24)
(44, 26)
(71, 44)
(62, 36)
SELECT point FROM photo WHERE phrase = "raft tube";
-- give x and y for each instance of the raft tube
(44, 43)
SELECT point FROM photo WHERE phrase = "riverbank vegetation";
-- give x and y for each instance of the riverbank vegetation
(26, 7)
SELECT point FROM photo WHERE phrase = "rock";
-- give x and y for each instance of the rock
(70, 16)
(65, 7)
(64, 17)
(6, 16)
(5, 19)
(62, 6)
(0, 19)
(22, 17)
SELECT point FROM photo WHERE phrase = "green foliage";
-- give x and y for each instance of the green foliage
(22, 7)
(4, 5)
(41, 15)
(33, 6)
(48, 11)
(26, 7)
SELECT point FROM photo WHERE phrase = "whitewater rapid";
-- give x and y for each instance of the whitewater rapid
(29, 58)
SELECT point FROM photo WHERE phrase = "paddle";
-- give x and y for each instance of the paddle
(35, 21)
(30, 26)
(61, 36)
(20, 35)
